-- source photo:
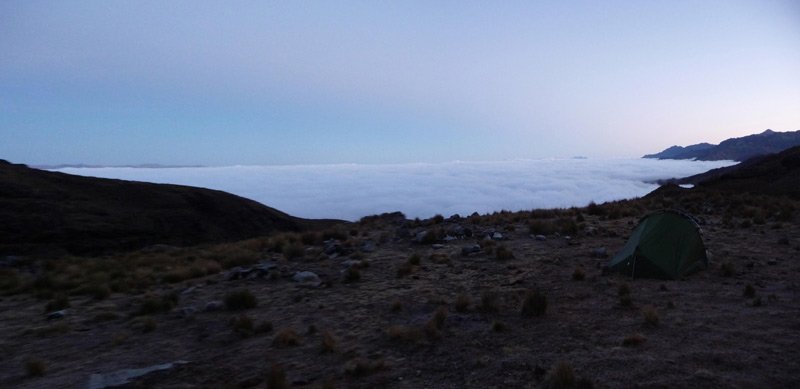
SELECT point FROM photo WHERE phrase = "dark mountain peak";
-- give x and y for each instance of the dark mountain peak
(735, 149)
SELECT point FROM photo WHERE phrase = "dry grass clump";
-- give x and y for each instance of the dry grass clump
(650, 315)
(397, 306)
(240, 299)
(561, 375)
(578, 274)
(749, 291)
(439, 258)
(360, 367)
(404, 269)
(502, 253)
(462, 303)
(285, 338)
(152, 305)
(488, 301)
(624, 293)
(293, 251)
(35, 367)
(57, 304)
(414, 259)
(533, 304)
(634, 340)
(328, 344)
(144, 324)
(351, 275)
(243, 325)
(276, 378)
(498, 326)
(727, 269)
(404, 333)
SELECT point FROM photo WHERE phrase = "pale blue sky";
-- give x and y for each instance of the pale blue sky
(295, 82)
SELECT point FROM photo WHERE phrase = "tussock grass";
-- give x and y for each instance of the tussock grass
(286, 337)
(240, 299)
(533, 304)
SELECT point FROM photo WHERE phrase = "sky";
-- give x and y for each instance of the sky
(351, 191)
(320, 82)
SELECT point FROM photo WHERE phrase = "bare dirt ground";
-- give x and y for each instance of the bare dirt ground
(383, 330)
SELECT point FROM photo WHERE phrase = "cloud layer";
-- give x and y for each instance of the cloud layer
(351, 191)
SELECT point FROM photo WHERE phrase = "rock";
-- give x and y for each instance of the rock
(263, 269)
(475, 248)
(188, 290)
(305, 276)
(421, 236)
(124, 376)
(437, 246)
(540, 237)
(57, 314)
(187, 311)
(213, 306)
(704, 374)
(449, 238)
(238, 273)
(353, 263)
(497, 236)
(600, 252)
(368, 246)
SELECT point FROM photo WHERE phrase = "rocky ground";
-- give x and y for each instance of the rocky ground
(501, 300)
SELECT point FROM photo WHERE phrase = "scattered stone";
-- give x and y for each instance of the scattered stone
(305, 276)
(437, 246)
(540, 237)
(449, 238)
(188, 290)
(124, 376)
(421, 236)
(213, 306)
(57, 314)
(497, 236)
(238, 273)
(475, 248)
(704, 374)
(600, 252)
(368, 246)
(187, 311)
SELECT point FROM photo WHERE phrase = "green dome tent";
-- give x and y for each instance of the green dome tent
(665, 245)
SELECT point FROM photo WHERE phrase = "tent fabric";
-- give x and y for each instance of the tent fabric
(664, 245)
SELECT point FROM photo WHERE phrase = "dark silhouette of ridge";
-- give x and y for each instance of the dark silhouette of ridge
(734, 149)
(50, 212)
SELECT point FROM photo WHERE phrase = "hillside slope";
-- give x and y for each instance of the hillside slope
(44, 211)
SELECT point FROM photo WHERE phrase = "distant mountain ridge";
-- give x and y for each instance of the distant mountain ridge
(734, 149)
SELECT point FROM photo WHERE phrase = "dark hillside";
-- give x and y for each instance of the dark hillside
(42, 211)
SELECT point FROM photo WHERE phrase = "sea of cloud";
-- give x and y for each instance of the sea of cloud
(350, 191)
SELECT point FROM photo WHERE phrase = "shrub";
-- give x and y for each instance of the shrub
(650, 315)
(285, 338)
(243, 325)
(503, 253)
(276, 379)
(488, 301)
(462, 303)
(727, 269)
(153, 305)
(498, 326)
(414, 259)
(240, 300)
(578, 274)
(561, 376)
(397, 306)
(633, 340)
(439, 258)
(534, 304)
(34, 367)
(749, 291)
(57, 304)
(404, 269)
(293, 251)
(404, 333)
(439, 316)
(328, 342)
(351, 275)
